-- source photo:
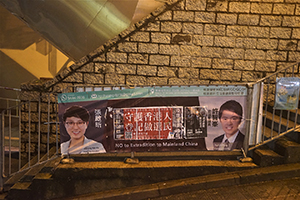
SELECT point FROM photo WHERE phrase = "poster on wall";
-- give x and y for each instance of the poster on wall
(287, 93)
(152, 119)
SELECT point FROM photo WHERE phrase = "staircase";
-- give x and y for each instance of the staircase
(286, 148)
(22, 180)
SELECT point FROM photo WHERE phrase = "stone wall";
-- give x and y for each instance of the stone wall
(188, 42)
(37, 109)
(196, 42)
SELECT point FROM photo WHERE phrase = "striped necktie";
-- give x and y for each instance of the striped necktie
(226, 145)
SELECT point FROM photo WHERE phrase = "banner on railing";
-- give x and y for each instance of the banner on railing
(287, 93)
(153, 119)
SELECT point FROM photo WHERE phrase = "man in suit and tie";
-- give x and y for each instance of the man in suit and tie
(230, 116)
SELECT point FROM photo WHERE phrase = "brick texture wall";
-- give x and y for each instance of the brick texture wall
(188, 42)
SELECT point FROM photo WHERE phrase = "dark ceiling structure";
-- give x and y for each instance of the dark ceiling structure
(75, 27)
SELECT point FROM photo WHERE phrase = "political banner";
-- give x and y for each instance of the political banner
(152, 119)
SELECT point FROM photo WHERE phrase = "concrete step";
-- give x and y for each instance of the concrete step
(20, 183)
(267, 157)
(293, 115)
(294, 136)
(31, 189)
(19, 175)
(28, 171)
(68, 179)
(282, 150)
(277, 123)
(174, 187)
(3, 195)
(268, 133)
(290, 150)
(15, 177)
(161, 156)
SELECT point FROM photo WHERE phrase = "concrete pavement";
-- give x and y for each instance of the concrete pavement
(288, 189)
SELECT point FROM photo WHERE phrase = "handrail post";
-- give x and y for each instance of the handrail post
(48, 127)
(248, 117)
(56, 124)
(20, 127)
(39, 129)
(1, 150)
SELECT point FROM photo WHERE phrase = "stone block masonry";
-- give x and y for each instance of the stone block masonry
(189, 42)
(37, 109)
(184, 37)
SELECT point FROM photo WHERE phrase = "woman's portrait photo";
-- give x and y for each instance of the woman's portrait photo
(76, 120)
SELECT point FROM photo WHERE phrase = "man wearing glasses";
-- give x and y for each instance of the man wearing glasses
(76, 120)
(230, 116)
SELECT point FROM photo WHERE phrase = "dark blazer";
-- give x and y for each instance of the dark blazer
(237, 144)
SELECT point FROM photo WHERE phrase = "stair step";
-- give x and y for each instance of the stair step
(76, 178)
(47, 171)
(20, 186)
(289, 149)
(19, 191)
(279, 124)
(293, 114)
(268, 133)
(62, 180)
(165, 189)
(267, 157)
(3, 195)
(161, 156)
(13, 179)
(27, 173)
(29, 187)
(294, 136)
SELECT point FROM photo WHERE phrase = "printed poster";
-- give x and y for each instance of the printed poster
(287, 93)
(151, 119)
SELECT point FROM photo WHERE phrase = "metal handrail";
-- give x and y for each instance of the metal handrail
(9, 88)
(6, 133)
(277, 72)
(268, 98)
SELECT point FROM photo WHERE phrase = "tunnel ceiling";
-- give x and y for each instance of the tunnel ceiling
(14, 34)
(75, 27)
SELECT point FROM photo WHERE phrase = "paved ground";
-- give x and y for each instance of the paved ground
(286, 189)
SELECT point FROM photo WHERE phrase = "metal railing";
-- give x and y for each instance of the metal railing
(12, 100)
(25, 136)
(267, 122)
